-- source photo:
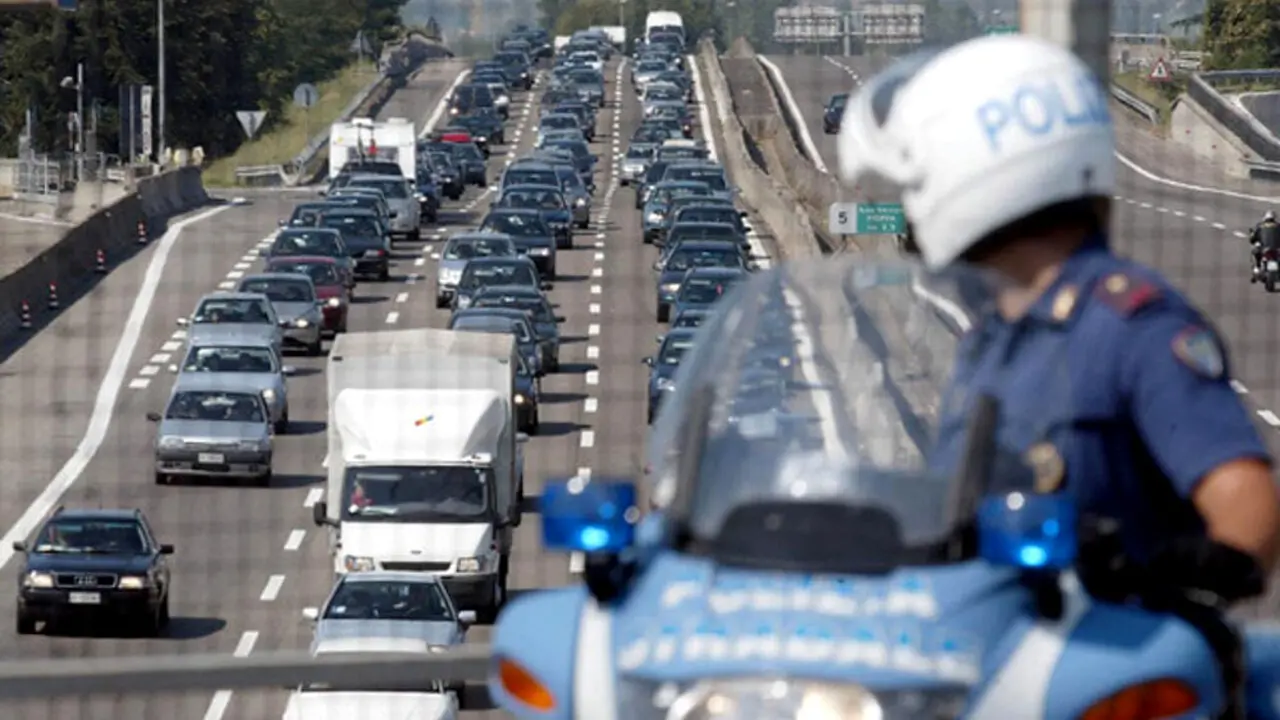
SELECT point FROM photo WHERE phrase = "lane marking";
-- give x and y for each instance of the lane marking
(593, 377)
(315, 495)
(222, 698)
(589, 438)
(597, 272)
(171, 346)
(590, 405)
(430, 124)
(294, 540)
(149, 371)
(1269, 418)
(1239, 387)
(159, 358)
(235, 275)
(595, 290)
(108, 392)
(593, 329)
(139, 383)
(402, 297)
(593, 352)
(594, 308)
(245, 646)
(393, 317)
(793, 110)
(272, 590)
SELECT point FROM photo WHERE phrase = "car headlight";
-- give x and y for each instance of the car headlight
(752, 698)
(655, 217)
(580, 202)
(666, 384)
(269, 395)
(521, 399)
(482, 138)
(464, 302)
(470, 564)
(302, 323)
(355, 563)
(453, 111)
(671, 288)
(35, 579)
(334, 302)
(170, 442)
(540, 251)
(132, 582)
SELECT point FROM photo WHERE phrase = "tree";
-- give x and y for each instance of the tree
(222, 56)
(1242, 34)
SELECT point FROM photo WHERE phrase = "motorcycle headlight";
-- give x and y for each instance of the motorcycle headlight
(355, 563)
(754, 698)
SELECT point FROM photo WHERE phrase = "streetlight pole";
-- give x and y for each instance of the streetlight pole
(160, 146)
(79, 121)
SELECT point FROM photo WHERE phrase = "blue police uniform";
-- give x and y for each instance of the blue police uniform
(1113, 388)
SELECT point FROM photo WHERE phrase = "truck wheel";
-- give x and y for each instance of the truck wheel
(316, 349)
(499, 598)
(384, 274)
(162, 478)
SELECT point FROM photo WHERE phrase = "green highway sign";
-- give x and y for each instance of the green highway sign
(1001, 30)
(866, 219)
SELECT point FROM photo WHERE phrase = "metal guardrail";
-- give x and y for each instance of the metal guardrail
(158, 673)
(1136, 104)
(1234, 118)
(261, 174)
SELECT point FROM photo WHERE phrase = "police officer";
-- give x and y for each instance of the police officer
(1004, 150)
(1265, 236)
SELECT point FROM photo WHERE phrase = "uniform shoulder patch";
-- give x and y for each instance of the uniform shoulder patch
(1198, 348)
(1127, 293)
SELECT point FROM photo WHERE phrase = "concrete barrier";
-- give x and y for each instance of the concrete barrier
(773, 200)
(67, 269)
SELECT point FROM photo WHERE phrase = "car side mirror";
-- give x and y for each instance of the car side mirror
(166, 549)
(183, 322)
(659, 338)
(289, 370)
(320, 514)
(311, 613)
(545, 285)
(647, 361)
(522, 438)
(467, 617)
(281, 223)
(153, 416)
(19, 546)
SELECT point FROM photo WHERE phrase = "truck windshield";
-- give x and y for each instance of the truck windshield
(416, 494)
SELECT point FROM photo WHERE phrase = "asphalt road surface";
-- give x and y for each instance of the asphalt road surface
(249, 560)
(1172, 212)
(1265, 107)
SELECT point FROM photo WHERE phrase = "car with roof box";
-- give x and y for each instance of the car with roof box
(222, 313)
(213, 426)
(98, 564)
(483, 272)
(516, 323)
(461, 249)
(331, 288)
(369, 247)
(244, 360)
(296, 304)
(546, 324)
(529, 231)
(671, 267)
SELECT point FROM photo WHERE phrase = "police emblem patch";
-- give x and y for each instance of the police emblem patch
(1198, 349)
(1047, 467)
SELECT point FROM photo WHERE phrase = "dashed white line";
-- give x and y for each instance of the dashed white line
(159, 358)
(599, 257)
(245, 646)
(272, 590)
(1269, 418)
(589, 438)
(1239, 387)
(171, 346)
(222, 698)
(590, 405)
(242, 266)
(235, 275)
(593, 377)
(419, 262)
(393, 317)
(139, 383)
(226, 285)
(179, 335)
(596, 290)
(149, 371)
(314, 495)
(597, 272)
(294, 541)
(593, 352)
(593, 329)
(594, 308)
(402, 297)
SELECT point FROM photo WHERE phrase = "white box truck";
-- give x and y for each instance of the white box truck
(392, 139)
(425, 468)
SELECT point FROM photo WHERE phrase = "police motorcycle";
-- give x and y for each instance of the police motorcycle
(820, 569)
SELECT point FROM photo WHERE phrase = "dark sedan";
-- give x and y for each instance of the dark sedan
(695, 253)
(530, 232)
(547, 200)
(833, 113)
(662, 367)
(366, 243)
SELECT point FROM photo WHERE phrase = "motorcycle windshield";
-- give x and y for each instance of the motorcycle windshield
(812, 400)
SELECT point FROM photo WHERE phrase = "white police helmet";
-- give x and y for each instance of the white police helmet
(979, 135)
(1271, 215)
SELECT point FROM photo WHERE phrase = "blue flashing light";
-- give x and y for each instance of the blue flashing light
(589, 516)
(1035, 532)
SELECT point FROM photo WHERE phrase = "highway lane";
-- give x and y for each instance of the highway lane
(230, 540)
(1177, 216)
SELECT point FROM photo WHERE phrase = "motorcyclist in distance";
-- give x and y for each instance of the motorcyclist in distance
(1264, 236)
(1004, 150)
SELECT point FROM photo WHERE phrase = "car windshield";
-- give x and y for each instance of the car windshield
(673, 350)
(725, 215)
(741, 445)
(558, 122)
(477, 274)
(704, 291)
(230, 359)
(410, 494)
(659, 92)
(838, 101)
(442, 160)
(683, 153)
(249, 311)
(470, 151)
(569, 178)
(215, 406)
(357, 599)
(701, 232)
(534, 199)
(713, 178)
(690, 258)
(91, 537)
(516, 225)
(586, 77)
(689, 320)
(496, 324)
(578, 148)
(392, 188)
(529, 177)
(639, 153)
(322, 274)
(352, 225)
(651, 66)
(468, 248)
(303, 242)
(305, 216)
(280, 290)
(535, 306)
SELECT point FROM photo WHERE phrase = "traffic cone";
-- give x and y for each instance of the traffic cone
(25, 316)
(142, 232)
(100, 262)
(54, 304)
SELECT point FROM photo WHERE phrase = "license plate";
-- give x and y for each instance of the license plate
(211, 458)
(85, 598)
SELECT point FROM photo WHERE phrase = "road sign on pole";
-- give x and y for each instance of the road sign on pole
(866, 219)
(251, 120)
(1160, 72)
(306, 95)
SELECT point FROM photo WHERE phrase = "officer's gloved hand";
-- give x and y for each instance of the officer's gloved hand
(1205, 565)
